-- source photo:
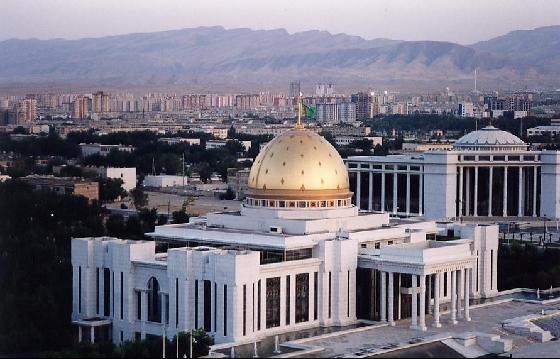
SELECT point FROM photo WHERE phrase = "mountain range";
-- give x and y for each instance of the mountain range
(216, 57)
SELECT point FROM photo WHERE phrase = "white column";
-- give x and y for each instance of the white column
(283, 293)
(399, 309)
(535, 191)
(429, 289)
(370, 192)
(460, 286)
(520, 211)
(79, 333)
(421, 194)
(505, 190)
(460, 203)
(491, 181)
(453, 297)
(467, 295)
(383, 307)
(395, 192)
(408, 194)
(383, 191)
(293, 300)
(476, 191)
(422, 323)
(414, 324)
(92, 335)
(437, 324)
(358, 188)
(468, 192)
(390, 300)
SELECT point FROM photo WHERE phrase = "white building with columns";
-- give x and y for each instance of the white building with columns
(488, 173)
(298, 254)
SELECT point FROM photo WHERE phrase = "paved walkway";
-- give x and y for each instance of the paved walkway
(484, 319)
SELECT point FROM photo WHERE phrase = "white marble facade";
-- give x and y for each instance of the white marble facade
(401, 249)
(295, 256)
(489, 173)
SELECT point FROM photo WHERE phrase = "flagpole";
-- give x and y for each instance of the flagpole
(299, 125)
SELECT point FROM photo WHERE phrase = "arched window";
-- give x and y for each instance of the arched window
(154, 307)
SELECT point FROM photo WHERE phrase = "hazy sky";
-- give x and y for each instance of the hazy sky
(463, 21)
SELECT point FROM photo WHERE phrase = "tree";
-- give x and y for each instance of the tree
(35, 264)
(148, 217)
(115, 226)
(134, 228)
(229, 195)
(110, 189)
(204, 172)
(139, 198)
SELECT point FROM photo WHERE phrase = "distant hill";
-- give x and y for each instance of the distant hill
(244, 57)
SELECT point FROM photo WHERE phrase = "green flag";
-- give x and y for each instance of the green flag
(308, 111)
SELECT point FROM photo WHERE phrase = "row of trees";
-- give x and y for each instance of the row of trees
(35, 270)
(151, 347)
(540, 266)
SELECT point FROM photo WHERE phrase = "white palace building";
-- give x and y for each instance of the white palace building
(488, 173)
(298, 254)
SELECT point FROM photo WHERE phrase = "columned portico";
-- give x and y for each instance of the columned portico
(489, 173)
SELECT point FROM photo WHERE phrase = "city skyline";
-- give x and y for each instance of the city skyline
(464, 22)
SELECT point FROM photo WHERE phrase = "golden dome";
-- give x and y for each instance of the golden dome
(299, 164)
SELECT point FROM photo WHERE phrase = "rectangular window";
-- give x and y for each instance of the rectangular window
(113, 293)
(330, 293)
(259, 305)
(97, 291)
(491, 269)
(139, 305)
(244, 309)
(348, 296)
(196, 304)
(315, 294)
(215, 307)
(253, 292)
(302, 297)
(79, 289)
(106, 292)
(122, 297)
(288, 300)
(207, 306)
(225, 310)
(176, 302)
(272, 302)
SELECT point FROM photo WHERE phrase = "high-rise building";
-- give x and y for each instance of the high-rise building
(27, 110)
(324, 89)
(100, 102)
(80, 107)
(295, 89)
(327, 112)
(363, 107)
(346, 112)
